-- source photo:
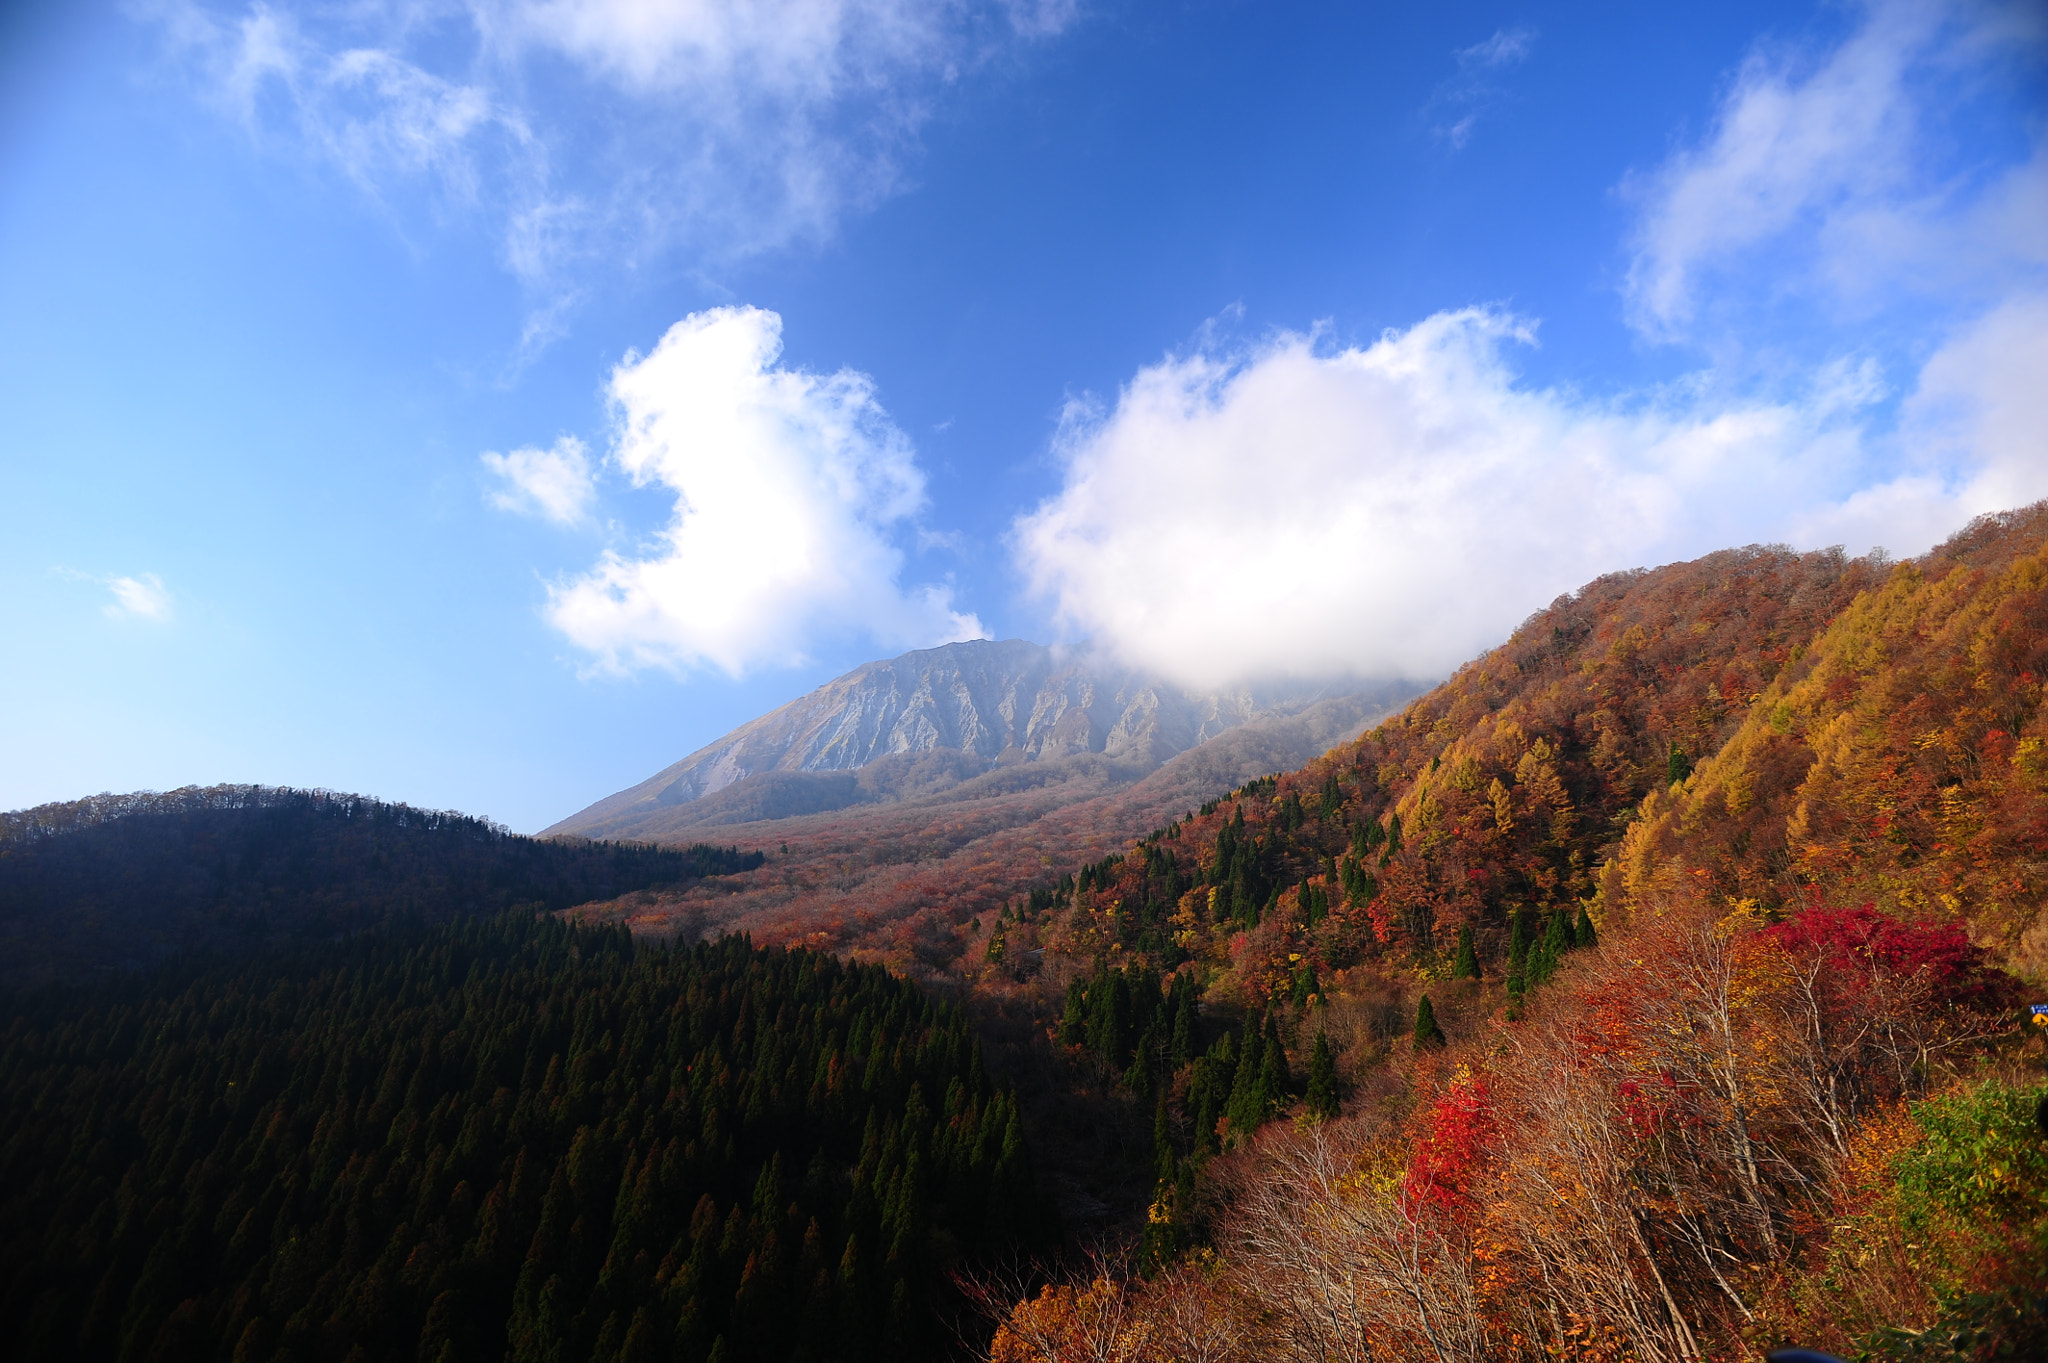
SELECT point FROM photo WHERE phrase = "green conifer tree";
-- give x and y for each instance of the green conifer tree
(1275, 1084)
(1244, 1109)
(1162, 1240)
(1465, 965)
(1518, 962)
(1109, 1030)
(1585, 936)
(1322, 1081)
(1677, 766)
(1074, 1019)
(1556, 941)
(1205, 1118)
(1183, 1043)
(1427, 1033)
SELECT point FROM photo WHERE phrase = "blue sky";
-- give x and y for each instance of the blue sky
(485, 404)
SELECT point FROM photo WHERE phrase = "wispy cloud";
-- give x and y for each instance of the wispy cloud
(1458, 103)
(789, 488)
(143, 597)
(140, 597)
(603, 129)
(1825, 179)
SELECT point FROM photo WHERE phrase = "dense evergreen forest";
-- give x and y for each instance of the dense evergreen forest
(499, 1137)
(120, 881)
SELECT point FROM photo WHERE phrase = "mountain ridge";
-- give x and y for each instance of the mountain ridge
(930, 719)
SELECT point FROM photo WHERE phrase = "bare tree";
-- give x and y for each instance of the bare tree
(1351, 1267)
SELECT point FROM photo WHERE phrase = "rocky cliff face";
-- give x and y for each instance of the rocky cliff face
(943, 714)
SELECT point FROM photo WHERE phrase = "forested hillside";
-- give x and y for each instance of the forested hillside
(896, 882)
(503, 1137)
(122, 880)
(1647, 991)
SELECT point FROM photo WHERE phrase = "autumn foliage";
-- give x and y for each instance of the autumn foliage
(1724, 882)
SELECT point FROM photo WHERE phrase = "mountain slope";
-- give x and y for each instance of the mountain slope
(1902, 759)
(896, 878)
(1702, 1061)
(1508, 786)
(924, 722)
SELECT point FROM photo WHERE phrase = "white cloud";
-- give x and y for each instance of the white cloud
(1506, 47)
(555, 484)
(605, 128)
(1393, 509)
(1822, 172)
(141, 597)
(1974, 436)
(787, 488)
(1465, 97)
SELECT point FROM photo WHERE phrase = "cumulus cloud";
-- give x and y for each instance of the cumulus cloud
(595, 128)
(1301, 508)
(788, 486)
(556, 484)
(1823, 172)
(1396, 508)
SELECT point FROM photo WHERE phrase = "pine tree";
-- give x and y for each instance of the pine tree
(1586, 936)
(1243, 1109)
(1322, 1081)
(1306, 986)
(1427, 1033)
(1518, 962)
(1677, 766)
(1465, 966)
(1183, 1043)
(1161, 1244)
(1074, 1019)
(1109, 1031)
(1556, 941)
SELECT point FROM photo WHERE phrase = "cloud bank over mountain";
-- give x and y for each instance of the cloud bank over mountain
(1299, 510)
(1299, 506)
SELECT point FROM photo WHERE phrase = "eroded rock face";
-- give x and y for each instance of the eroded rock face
(994, 703)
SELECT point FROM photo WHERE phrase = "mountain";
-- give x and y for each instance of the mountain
(929, 721)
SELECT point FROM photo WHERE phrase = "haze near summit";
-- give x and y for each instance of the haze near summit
(495, 398)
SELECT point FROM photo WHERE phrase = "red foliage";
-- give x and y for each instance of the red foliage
(1457, 1136)
(1855, 943)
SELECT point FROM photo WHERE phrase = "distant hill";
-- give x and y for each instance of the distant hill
(119, 881)
(934, 721)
